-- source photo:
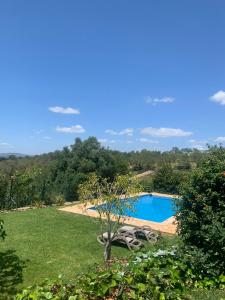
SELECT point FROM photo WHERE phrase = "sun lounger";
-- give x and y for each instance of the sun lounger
(128, 239)
(140, 232)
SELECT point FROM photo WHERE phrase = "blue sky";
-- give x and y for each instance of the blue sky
(135, 74)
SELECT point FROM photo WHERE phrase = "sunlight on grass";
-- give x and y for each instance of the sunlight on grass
(52, 243)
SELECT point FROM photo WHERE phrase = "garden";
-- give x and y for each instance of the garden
(45, 242)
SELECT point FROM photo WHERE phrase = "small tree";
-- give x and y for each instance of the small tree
(111, 200)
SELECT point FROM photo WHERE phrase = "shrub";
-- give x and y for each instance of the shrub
(59, 200)
(147, 185)
(166, 180)
(38, 204)
(201, 213)
(156, 275)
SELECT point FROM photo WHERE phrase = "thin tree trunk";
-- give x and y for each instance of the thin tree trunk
(107, 251)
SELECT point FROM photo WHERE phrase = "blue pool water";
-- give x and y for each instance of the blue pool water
(152, 208)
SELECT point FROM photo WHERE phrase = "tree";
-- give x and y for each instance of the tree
(111, 199)
(201, 212)
(166, 180)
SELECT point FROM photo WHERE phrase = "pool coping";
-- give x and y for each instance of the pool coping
(167, 226)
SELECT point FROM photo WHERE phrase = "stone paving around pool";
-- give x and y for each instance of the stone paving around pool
(167, 226)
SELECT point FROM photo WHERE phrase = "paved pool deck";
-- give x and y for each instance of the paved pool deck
(168, 226)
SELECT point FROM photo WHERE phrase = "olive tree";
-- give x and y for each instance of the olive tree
(111, 200)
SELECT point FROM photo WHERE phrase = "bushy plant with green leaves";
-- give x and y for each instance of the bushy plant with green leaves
(166, 180)
(201, 214)
(156, 275)
(58, 199)
(147, 185)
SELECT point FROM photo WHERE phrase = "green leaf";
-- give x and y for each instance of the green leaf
(141, 287)
(113, 283)
(162, 296)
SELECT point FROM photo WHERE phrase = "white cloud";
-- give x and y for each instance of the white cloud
(38, 131)
(147, 141)
(110, 131)
(201, 142)
(106, 141)
(102, 141)
(72, 129)
(47, 137)
(4, 144)
(200, 145)
(165, 132)
(155, 101)
(220, 139)
(7, 145)
(192, 141)
(127, 132)
(219, 97)
(66, 110)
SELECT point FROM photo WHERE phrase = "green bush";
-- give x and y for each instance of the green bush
(201, 213)
(59, 199)
(166, 180)
(156, 275)
(147, 185)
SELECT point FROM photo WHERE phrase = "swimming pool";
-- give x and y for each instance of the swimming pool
(152, 208)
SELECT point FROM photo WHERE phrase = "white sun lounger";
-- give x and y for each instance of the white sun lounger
(140, 232)
(128, 239)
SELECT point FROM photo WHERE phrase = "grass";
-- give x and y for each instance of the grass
(43, 243)
(46, 242)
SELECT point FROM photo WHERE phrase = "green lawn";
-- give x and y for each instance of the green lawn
(46, 242)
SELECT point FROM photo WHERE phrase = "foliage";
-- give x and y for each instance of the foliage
(158, 275)
(137, 160)
(59, 200)
(180, 159)
(38, 183)
(2, 230)
(61, 172)
(201, 213)
(23, 189)
(111, 200)
(166, 180)
(147, 184)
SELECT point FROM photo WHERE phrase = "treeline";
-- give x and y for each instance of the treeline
(179, 159)
(54, 177)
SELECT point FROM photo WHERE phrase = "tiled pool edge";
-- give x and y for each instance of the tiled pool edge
(167, 226)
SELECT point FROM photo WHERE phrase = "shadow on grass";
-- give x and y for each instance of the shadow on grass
(11, 273)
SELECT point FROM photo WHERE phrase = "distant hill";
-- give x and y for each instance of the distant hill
(7, 155)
